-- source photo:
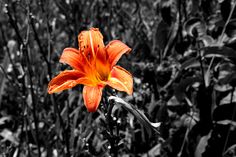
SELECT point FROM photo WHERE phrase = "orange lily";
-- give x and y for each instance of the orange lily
(94, 66)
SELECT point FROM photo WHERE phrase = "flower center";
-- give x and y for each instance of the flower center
(102, 69)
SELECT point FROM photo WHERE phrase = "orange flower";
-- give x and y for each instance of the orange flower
(94, 66)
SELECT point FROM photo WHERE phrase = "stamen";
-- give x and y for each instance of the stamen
(86, 59)
(97, 50)
(88, 56)
(91, 43)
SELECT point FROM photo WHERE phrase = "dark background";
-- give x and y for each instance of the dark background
(183, 62)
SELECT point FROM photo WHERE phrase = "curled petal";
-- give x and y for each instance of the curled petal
(115, 49)
(90, 41)
(92, 97)
(121, 80)
(74, 58)
(67, 79)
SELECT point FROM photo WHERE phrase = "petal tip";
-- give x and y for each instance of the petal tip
(51, 90)
(92, 97)
(92, 109)
(94, 29)
(128, 50)
(130, 92)
(115, 50)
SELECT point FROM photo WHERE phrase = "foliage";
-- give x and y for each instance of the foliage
(183, 62)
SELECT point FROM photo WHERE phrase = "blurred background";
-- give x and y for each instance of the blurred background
(183, 62)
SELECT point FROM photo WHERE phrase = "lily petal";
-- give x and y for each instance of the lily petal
(74, 58)
(121, 80)
(92, 97)
(67, 79)
(90, 41)
(115, 49)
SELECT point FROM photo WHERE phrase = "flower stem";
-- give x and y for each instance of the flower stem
(112, 138)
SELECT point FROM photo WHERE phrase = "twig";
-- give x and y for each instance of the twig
(41, 51)
(14, 25)
(24, 50)
(30, 72)
(233, 115)
(186, 135)
(7, 50)
(67, 130)
(226, 23)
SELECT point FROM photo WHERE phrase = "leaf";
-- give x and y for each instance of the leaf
(195, 27)
(225, 76)
(190, 63)
(173, 102)
(137, 113)
(172, 37)
(229, 79)
(16, 152)
(230, 151)
(189, 120)
(154, 151)
(3, 119)
(231, 29)
(207, 40)
(207, 77)
(231, 43)
(225, 8)
(161, 36)
(224, 111)
(8, 135)
(222, 52)
(227, 122)
(227, 99)
(225, 69)
(223, 88)
(182, 86)
(202, 144)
